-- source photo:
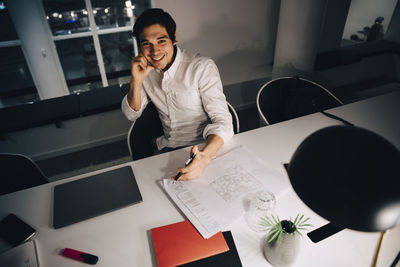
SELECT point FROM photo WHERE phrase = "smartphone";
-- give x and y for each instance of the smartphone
(15, 231)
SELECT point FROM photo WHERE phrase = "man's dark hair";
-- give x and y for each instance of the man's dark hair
(154, 16)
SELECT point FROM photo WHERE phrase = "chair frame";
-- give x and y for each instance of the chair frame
(128, 139)
(234, 117)
(282, 78)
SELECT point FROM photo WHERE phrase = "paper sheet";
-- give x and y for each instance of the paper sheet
(219, 197)
(21, 256)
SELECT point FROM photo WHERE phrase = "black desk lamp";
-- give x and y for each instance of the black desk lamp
(350, 176)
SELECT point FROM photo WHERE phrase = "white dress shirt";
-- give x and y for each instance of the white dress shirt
(190, 101)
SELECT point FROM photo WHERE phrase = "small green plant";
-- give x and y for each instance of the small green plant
(278, 227)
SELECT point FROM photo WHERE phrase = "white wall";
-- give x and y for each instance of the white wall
(38, 47)
(238, 35)
(364, 12)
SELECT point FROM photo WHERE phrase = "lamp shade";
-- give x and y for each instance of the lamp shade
(350, 176)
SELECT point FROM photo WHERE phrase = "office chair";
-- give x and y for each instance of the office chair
(19, 172)
(141, 133)
(291, 97)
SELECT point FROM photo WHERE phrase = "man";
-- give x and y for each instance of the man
(185, 88)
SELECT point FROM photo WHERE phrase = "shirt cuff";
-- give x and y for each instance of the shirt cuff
(129, 112)
(226, 133)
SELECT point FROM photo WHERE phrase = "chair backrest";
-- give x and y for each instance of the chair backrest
(235, 118)
(291, 97)
(18, 172)
(148, 126)
(143, 131)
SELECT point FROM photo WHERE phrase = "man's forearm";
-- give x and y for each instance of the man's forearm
(213, 144)
(134, 97)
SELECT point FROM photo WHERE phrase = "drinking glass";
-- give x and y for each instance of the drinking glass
(261, 204)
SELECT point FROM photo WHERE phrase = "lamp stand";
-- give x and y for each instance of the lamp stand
(378, 248)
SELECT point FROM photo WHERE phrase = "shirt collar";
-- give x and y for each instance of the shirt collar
(172, 69)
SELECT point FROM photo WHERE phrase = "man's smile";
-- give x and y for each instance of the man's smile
(157, 58)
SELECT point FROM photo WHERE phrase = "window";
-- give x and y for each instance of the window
(8, 32)
(93, 40)
(15, 78)
(362, 16)
(79, 63)
(117, 50)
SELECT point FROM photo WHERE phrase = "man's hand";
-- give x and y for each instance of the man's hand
(140, 69)
(195, 169)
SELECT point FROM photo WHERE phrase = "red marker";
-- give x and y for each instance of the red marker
(80, 256)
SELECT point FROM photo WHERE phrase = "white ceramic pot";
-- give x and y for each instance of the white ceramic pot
(284, 252)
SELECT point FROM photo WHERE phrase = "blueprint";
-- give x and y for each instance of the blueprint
(235, 182)
(218, 198)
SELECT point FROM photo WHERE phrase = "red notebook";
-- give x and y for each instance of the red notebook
(180, 243)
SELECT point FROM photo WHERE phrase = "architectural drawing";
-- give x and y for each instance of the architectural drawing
(195, 207)
(235, 183)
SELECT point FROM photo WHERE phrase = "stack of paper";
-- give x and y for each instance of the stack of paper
(218, 198)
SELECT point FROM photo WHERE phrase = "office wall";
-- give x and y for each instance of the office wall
(239, 35)
(38, 47)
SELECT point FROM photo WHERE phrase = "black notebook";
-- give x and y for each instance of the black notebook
(225, 259)
(94, 195)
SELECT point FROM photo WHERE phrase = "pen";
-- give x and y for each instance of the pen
(187, 163)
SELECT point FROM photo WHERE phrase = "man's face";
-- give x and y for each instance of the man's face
(156, 46)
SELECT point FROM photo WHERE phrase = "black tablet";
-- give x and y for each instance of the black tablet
(95, 195)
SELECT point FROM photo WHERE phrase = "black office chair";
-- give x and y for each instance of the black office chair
(291, 97)
(19, 172)
(145, 132)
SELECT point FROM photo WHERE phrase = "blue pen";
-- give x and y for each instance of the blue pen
(186, 164)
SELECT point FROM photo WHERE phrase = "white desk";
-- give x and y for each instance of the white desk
(121, 238)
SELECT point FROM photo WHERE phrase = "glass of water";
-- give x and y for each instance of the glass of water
(261, 204)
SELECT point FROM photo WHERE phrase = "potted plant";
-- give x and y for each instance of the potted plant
(282, 241)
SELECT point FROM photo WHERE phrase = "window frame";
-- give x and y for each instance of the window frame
(94, 32)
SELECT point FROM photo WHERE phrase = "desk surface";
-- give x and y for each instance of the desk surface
(122, 237)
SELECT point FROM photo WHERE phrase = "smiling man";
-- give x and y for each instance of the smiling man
(185, 88)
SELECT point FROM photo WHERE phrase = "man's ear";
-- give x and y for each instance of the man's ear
(176, 40)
